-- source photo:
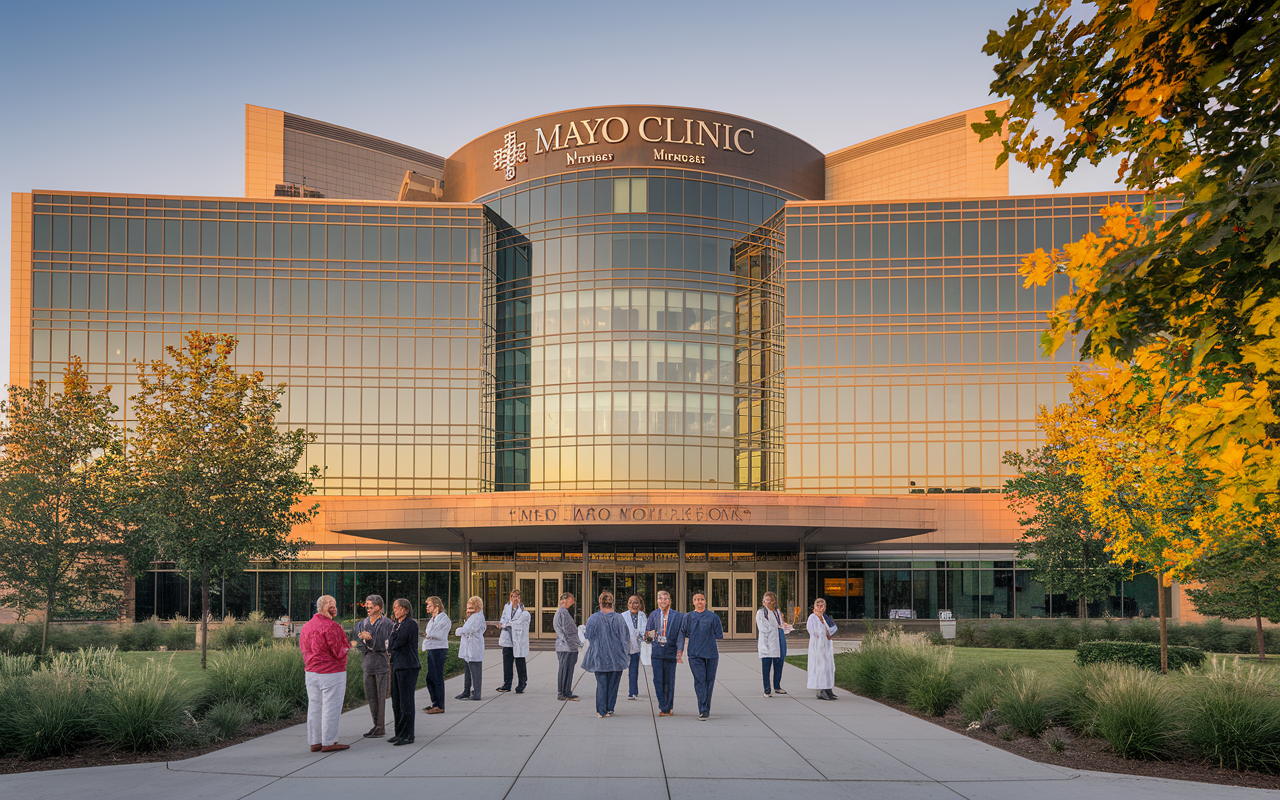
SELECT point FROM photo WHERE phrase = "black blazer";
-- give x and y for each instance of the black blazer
(404, 645)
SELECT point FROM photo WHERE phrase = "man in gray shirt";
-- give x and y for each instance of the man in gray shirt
(567, 645)
(372, 634)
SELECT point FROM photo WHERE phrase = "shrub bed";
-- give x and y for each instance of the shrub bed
(1213, 636)
(1138, 654)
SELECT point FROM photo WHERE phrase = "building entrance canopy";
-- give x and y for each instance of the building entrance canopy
(484, 520)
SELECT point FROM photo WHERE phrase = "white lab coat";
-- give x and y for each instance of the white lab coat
(637, 630)
(515, 630)
(436, 634)
(767, 630)
(471, 648)
(822, 660)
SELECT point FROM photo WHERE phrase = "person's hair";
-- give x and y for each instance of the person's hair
(324, 600)
(770, 594)
(374, 599)
(636, 597)
(664, 591)
(405, 604)
(606, 599)
(695, 594)
(566, 596)
(435, 601)
(514, 593)
(822, 600)
(475, 601)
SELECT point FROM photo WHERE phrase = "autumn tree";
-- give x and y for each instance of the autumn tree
(60, 543)
(1242, 581)
(1186, 93)
(216, 482)
(1060, 546)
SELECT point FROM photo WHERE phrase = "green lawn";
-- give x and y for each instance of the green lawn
(1046, 661)
(185, 662)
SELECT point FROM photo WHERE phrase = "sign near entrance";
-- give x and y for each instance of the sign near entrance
(642, 513)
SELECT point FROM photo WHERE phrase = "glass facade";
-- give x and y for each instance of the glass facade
(615, 328)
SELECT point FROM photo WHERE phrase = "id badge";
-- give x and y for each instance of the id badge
(662, 640)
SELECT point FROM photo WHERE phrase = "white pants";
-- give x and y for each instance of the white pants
(325, 694)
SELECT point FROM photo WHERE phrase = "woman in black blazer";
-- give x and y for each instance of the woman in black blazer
(405, 666)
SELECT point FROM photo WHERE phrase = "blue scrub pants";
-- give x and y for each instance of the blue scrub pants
(774, 665)
(633, 676)
(607, 684)
(664, 682)
(704, 680)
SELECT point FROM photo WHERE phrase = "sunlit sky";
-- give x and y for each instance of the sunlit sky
(149, 97)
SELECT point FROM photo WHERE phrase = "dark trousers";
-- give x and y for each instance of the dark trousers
(564, 676)
(664, 682)
(375, 690)
(435, 676)
(704, 680)
(508, 659)
(403, 682)
(472, 678)
(633, 676)
(772, 666)
(607, 684)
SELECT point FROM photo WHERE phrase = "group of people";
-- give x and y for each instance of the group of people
(389, 655)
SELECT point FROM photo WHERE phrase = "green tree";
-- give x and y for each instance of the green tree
(1060, 545)
(216, 482)
(60, 544)
(1186, 93)
(1241, 582)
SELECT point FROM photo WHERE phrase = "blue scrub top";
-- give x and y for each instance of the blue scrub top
(671, 649)
(702, 630)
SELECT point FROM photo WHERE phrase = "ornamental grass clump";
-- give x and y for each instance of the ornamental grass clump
(248, 675)
(49, 713)
(143, 709)
(890, 663)
(16, 666)
(979, 697)
(935, 690)
(1233, 717)
(226, 719)
(1135, 713)
(1022, 702)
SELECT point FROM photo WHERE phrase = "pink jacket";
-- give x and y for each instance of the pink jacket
(324, 646)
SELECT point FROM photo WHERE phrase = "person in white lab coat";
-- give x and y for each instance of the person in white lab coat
(435, 643)
(471, 648)
(637, 621)
(772, 629)
(514, 641)
(822, 660)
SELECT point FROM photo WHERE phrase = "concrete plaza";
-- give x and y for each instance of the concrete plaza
(531, 746)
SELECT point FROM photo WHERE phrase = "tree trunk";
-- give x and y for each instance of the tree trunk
(1164, 628)
(204, 619)
(1262, 650)
(48, 617)
(1083, 610)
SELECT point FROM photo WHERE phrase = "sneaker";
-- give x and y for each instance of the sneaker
(561, 698)
(703, 717)
(766, 694)
(633, 697)
(501, 689)
(519, 691)
(779, 691)
(463, 696)
(573, 697)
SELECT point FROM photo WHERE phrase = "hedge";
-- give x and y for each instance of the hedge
(1138, 654)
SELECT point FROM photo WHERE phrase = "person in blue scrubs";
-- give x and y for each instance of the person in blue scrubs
(701, 628)
(663, 631)
(608, 653)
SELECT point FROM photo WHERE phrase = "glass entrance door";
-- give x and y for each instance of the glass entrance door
(744, 604)
(548, 602)
(527, 583)
(719, 600)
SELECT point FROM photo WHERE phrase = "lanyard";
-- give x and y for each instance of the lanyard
(664, 623)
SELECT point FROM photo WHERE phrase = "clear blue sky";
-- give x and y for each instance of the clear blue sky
(149, 97)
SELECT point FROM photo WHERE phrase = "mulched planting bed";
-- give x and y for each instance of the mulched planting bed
(1093, 754)
(99, 755)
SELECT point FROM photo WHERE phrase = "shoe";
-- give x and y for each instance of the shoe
(335, 747)
(666, 713)
(703, 717)
(472, 697)
(315, 748)
(393, 740)
(435, 710)
(609, 714)
(779, 691)
(766, 694)
(573, 697)
(375, 734)
(561, 698)
(519, 691)
(428, 709)
(503, 689)
(633, 697)
(601, 716)
(463, 696)
(404, 741)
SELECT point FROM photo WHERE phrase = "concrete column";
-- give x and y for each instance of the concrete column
(681, 583)
(466, 575)
(586, 579)
(802, 580)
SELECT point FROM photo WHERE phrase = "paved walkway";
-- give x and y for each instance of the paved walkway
(529, 746)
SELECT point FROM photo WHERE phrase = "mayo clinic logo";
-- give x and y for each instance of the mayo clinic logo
(506, 157)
